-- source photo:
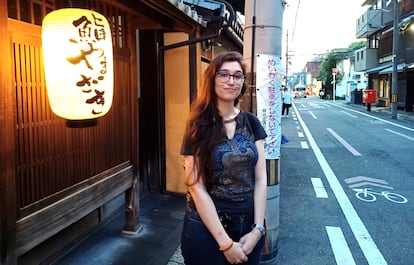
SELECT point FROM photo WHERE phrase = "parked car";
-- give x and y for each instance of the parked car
(300, 92)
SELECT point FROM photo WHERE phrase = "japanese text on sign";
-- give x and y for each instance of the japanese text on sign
(268, 83)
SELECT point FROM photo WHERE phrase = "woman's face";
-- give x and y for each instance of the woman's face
(229, 81)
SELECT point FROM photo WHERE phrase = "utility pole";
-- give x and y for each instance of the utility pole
(334, 86)
(253, 42)
(395, 44)
(334, 73)
(263, 45)
(287, 58)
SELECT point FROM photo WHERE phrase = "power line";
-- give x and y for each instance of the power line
(295, 21)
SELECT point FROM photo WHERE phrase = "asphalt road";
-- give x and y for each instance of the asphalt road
(347, 181)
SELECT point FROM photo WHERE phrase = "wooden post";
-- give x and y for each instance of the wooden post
(8, 207)
(132, 194)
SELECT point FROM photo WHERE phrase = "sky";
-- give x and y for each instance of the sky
(316, 26)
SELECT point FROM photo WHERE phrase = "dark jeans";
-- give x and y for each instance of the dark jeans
(286, 107)
(199, 247)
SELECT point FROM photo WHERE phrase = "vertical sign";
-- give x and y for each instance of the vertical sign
(78, 62)
(269, 101)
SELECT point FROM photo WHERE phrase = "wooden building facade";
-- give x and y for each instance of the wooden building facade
(53, 177)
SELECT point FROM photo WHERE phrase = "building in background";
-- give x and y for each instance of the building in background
(376, 25)
(58, 183)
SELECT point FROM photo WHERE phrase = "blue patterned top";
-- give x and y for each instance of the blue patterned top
(235, 161)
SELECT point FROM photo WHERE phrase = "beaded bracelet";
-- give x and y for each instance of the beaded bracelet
(227, 247)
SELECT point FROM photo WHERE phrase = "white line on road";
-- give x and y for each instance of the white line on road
(316, 105)
(301, 135)
(364, 239)
(344, 143)
(362, 113)
(313, 115)
(349, 114)
(304, 145)
(318, 187)
(400, 134)
(343, 255)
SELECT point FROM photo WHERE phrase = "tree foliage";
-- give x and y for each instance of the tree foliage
(325, 73)
(357, 45)
(330, 61)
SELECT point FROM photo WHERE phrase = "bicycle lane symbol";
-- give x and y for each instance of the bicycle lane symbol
(368, 194)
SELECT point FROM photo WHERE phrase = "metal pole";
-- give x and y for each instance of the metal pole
(252, 55)
(287, 58)
(395, 43)
(334, 87)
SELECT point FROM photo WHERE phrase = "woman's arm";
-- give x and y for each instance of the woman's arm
(250, 240)
(208, 213)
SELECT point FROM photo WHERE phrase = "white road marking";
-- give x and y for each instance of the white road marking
(318, 187)
(363, 178)
(359, 181)
(367, 183)
(316, 105)
(400, 134)
(368, 247)
(313, 115)
(373, 117)
(344, 143)
(349, 114)
(304, 145)
(342, 253)
(301, 135)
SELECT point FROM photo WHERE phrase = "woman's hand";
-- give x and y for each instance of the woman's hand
(249, 241)
(235, 254)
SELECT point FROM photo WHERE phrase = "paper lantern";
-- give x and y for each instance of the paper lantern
(78, 63)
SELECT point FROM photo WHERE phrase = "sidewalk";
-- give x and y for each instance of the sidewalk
(156, 243)
(385, 112)
(160, 219)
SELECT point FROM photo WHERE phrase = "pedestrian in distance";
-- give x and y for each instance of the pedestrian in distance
(287, 102)
(321, 93)
(225, 169)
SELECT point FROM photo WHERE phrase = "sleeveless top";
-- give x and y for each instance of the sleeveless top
(235, 161)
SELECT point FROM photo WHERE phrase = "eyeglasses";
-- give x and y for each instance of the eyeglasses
(224, 77)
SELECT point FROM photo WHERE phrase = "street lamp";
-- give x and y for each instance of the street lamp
(395, 43)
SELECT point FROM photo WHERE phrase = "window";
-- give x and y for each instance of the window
(373, 41)
(31, 11)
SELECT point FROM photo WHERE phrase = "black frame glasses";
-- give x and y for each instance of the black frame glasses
(224, 77)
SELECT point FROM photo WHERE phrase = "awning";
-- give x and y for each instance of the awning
(378, 68)
(410, 66)
(388, 70)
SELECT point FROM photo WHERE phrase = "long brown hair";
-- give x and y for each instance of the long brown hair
(205, 126)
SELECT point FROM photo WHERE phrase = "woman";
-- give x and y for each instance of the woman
(287, 102)
(223, 151)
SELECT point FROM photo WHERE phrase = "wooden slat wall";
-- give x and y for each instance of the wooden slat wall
(7, 146)
(52, 158)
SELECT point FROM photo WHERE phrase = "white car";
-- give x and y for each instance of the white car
(300, 92)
